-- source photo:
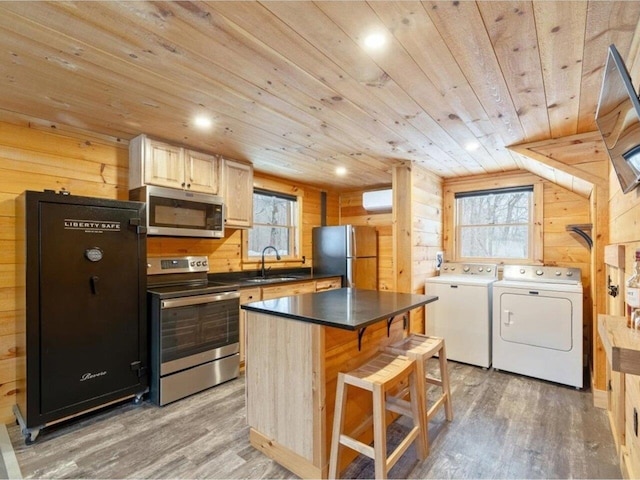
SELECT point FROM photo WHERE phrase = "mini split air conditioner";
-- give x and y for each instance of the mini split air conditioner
(377, 200)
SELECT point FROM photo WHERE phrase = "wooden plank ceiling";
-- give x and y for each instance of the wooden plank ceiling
(291, 87)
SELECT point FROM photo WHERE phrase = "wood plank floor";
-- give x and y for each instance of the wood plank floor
(505, 426)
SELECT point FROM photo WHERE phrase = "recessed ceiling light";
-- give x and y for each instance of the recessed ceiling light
(202, 122)
(375, 40)
(341, 171)
(472, 146)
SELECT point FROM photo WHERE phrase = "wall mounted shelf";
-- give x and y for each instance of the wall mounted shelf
(580, 230)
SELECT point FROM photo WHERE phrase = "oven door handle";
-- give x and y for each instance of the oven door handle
(198, 300)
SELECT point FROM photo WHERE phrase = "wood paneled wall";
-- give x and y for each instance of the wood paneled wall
(34, 158)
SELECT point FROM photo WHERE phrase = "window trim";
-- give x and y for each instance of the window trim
(488, 184)
(251, 262)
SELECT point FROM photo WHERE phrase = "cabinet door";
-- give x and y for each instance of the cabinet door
(163, 165)
(616, 396)
(238, 193)
(631, 457)
(247, 295)
(202, 172)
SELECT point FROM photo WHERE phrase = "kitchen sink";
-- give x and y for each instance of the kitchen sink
(270, 279)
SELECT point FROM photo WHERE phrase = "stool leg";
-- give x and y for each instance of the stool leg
(421, 385)
(341, 399)
(444, 375)
(419, 414)
(379, 432)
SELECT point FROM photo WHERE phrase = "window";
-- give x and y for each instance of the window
(495, 224)
(275, 223)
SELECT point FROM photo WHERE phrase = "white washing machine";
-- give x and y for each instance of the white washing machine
(537, 323)
(462, 313)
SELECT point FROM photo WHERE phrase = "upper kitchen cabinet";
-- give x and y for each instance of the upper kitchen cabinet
(237, 179)
(152, 162)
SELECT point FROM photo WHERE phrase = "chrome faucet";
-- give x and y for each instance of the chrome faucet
(264, 272)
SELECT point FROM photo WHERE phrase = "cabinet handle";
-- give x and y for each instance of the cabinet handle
(183, 184)
(635, 421)
(188, 185)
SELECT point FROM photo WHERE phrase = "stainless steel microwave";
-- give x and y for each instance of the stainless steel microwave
(181, 213)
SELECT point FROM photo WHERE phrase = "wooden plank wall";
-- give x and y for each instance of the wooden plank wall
(34, 158)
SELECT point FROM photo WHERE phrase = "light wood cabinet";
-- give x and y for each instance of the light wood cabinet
(622, 348)
(202, 172)
(237, 180)
(288, 289)
(152, 162)
(247, 295)
(630, 455)
(616, 405)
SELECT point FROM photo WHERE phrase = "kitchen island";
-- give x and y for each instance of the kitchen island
(295, 348)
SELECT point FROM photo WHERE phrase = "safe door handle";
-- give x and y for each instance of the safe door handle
(93, 281)
(508, 317)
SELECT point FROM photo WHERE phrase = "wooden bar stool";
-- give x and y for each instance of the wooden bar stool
(421, 348)
(378, 376)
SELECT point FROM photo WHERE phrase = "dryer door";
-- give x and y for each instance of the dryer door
(537, 320)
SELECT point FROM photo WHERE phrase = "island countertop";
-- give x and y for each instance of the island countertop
(346, 308)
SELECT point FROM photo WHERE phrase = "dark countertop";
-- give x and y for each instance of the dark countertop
(252, 278)
(346, 308)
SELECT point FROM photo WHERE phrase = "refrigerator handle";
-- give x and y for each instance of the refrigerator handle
(354, 251)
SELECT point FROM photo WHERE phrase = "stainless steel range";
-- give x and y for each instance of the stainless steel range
(194, 329)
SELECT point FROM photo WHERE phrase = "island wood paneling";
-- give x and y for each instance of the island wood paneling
(33, 157)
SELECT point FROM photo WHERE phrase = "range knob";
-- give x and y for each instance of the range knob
(453, 268)
(480, 269)
(193, 263)
(558, 273)
(198, 263)
(445, 268)
(205, 263)
(539, 272)
(466, 268)
(522, 270)
(489, 269)
(569, 273)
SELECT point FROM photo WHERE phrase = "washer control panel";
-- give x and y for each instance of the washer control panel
(534, 273)
(484, 269)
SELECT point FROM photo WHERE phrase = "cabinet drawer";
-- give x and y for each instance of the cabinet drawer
(288, 289)
(249, 295)
(328, 284)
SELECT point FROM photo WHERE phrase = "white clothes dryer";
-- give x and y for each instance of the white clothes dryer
(537, 323)
(462, 313)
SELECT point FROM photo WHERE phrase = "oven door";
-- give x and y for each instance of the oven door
(198, 329)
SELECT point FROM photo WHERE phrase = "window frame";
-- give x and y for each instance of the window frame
(294, 238)
(451, 239)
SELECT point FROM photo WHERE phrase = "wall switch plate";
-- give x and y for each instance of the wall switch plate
(439, 259)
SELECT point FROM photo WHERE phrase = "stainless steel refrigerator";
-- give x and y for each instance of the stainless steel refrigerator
(347, 250)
